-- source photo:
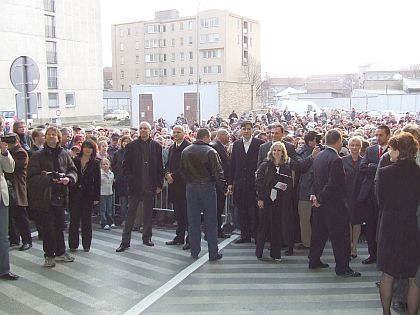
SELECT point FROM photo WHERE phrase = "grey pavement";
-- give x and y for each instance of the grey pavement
(166, 280)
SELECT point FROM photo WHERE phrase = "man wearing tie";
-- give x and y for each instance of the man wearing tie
(242, 180)
(368, 167)
(176, 188)
(330, 218)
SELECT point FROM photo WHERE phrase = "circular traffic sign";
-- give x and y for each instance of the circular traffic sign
(24, 71)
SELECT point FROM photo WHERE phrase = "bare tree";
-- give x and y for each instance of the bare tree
(251, 73)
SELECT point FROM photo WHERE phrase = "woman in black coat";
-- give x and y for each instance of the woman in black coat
(398, 192)
(83, 195)
(274, 187)
(351, 164)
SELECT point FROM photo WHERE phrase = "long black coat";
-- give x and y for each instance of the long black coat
(89, 183)
(132, 167)
(224, 158)
(353, 180)
(121, 185)
(176, 190)
(398, 192)
(265, 180)
(18, 177)
(242, 171)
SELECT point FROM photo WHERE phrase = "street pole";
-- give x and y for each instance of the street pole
(197, 65)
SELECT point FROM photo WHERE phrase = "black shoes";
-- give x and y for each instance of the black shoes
(174, 242)
(243, 240)
(399, 307)
(319, 265)
(187, 246)
(369, 260)
(25, 246)
(148, 243)
(219, 256)
(122, 248)
(349, 274)
(222, 235)
(9, 276)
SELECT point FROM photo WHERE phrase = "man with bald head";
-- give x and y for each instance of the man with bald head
(143, 168)
(176, 191)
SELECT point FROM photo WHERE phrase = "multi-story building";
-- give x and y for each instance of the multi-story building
(171, 49)
(64, 39)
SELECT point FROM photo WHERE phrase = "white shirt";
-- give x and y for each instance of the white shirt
(333, 149)
(246, 143)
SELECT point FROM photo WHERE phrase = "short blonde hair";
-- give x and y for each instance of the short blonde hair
(356, 139)
(284, 157)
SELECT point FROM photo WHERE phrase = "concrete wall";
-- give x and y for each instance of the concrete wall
(234, 96)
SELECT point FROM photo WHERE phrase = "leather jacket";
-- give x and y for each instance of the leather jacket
(200, 163)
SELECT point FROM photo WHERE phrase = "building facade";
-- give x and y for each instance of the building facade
(64, 39)
(169, 49)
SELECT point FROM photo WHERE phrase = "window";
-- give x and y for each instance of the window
(121, 60)
(190, 25)
(151, 57)
(172, 27)
(182, 70)
(53, 100)
(214, 53)
(51, 52)
(122, 74)
(191, 70)
(163, 72)
(153, 28)
(128, 31)
(137, 58)
(49, 26)
(173, 57)
(211, 22)
(121, 33)
(38, 100)
(162, 43)
(172, 42)
(137, 45)
(181, 41)
(162, 57)
(163, 28)
(212, 69)
(181, 56)
(181, 26)
(173, 71)
(121, 46)
(148, 73)
(191, 55)
(209, 38)
(137, 73)
(52, 77)
(190, 40)
(70, 99)
(49, 5)
(136, 30)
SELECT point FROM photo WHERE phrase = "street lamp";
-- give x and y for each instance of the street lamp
(197, 65)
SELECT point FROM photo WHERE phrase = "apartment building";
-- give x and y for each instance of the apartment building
(64, 39)
(170, 49)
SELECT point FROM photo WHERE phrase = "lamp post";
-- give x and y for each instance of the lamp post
(197, 64)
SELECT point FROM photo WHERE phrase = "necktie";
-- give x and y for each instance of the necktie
(380, 151)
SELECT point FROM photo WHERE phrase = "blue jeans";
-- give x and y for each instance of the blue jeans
(202, 198)
(4, 242)
(106, 210)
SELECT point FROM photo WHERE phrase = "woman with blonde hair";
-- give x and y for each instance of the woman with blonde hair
(274, 187)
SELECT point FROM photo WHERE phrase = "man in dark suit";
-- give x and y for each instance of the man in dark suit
(368, 167)
(242, 179)
(220, 145)
(176, 193)
(143, 168)
(329, 217)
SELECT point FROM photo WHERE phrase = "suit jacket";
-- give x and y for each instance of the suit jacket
(89, 182)
(242, 170)
(368, 167)
(224, 157)
(133, 163)
(7, 164)
(177, 189)
(329, 179)
(18, 177)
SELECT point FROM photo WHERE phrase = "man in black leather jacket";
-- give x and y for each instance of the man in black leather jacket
(201, 168)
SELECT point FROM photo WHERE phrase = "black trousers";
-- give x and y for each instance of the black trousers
(53, 228)
(371, 219)
(333, 223)
(221, 201)
(19, 225)
(133, 202)
(247, 218)
(180, 210)
(269, 223)
(80, 214)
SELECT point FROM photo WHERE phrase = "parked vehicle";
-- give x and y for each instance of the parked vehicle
(10, 117)
(118, 114)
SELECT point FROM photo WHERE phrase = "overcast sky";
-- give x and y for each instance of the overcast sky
(303, 37)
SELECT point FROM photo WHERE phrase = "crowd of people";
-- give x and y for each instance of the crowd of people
(296, 181)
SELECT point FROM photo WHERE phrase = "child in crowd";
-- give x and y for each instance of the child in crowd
(107, 180)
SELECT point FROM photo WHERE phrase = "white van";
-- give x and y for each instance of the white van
(299, 107)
